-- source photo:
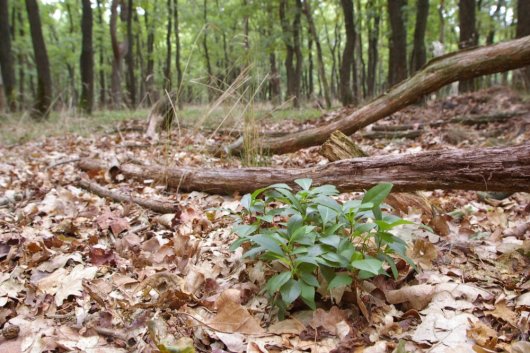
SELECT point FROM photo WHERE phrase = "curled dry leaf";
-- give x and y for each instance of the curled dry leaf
(418, 296)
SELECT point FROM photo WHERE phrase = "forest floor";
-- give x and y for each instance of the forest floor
(82, 273)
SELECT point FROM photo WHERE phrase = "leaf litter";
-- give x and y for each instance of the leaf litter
(82, 273)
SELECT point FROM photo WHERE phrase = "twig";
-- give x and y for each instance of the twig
(156, 206)
(68, 161)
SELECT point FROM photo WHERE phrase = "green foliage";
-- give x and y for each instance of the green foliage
(318, 241)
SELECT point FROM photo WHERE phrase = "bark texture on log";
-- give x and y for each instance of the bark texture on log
(437, 73)
(492, 169)
(156, 206)
(340, 146)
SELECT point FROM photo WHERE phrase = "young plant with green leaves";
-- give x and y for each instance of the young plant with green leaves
(319, 241)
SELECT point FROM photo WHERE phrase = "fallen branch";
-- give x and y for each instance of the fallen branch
(491, 169)
(437, 73)
(156, 206)
(407, 134)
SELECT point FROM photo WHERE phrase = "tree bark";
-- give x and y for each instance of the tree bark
(419, 54)
(149, 71)
(320, 59)
(291, 38)
(118, 50)
(206, 53)
(87, 60)
(102, 85)
(373, 39)
(468, 36)
(397, 63)
(179, 89)
(167, 67)
(41, 108)
(129, 58)
(492, 169)
(436, 74)
(523, 29)
(346, 96)
(6, 58)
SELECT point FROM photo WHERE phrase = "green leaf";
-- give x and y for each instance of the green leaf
(390, 263)
(244, 230)
(275, 282)
(308, 295)
(368, 265)
(309, 278)
(340, 280)
(306, 260)
(279, 186)
(246, 201)
(328, 190)
(328, 202)
(377, 194)
(290, 291)
(305, 184)
(326, 214)
(267, 243)
(331, 240)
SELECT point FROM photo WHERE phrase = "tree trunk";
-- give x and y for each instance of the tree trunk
(167, 67)
(436, 74)
(373, 38)
(397, 63)
(206, 53)
(291, 38)
(149, 74)
(492, 169)
(102, 86)
(180, 102)
(346, 95)
(6, 59)
(118, 50)
(468, 36)
(320, 59)
(419, 55)
(523, 29)
(87, 60)
(129, 58)
(21, 58)
(41, 109)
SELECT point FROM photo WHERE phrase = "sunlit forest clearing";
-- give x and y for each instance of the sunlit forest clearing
(264, 176)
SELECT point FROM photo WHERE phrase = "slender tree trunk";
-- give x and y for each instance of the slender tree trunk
(373, 39)
(523, 29)
(275, 80)
(87, 59)
(359, 63)
(346, 95)
(118, 50)
(289, 56)
(332, 47)
(102, 86)
(397, 64)
(441, 16)
(21, 58)
(310, 83)
(180, 102)
(419, 54)
(206, 53)
(297, 51)
(468, 35)
(129, 58)
(167, 67)
(72, 81)
(6, 58)
(41, 109)
(320, 59)
(149, 74)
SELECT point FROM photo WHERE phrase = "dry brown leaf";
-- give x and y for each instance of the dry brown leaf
(418, 296)
(504, 313)
(234, 318)
(482, 334)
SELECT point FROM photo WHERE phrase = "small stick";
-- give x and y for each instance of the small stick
(156, 206)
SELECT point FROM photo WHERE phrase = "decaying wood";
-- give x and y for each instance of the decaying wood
(95, 188)
(406, 134)
(161, 116)
(458, 66)
(340, 146)
(492, 169)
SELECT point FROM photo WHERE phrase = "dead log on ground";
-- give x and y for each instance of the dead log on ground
(458, 66)
(406, 134)
(491, 169)
(156, 206)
